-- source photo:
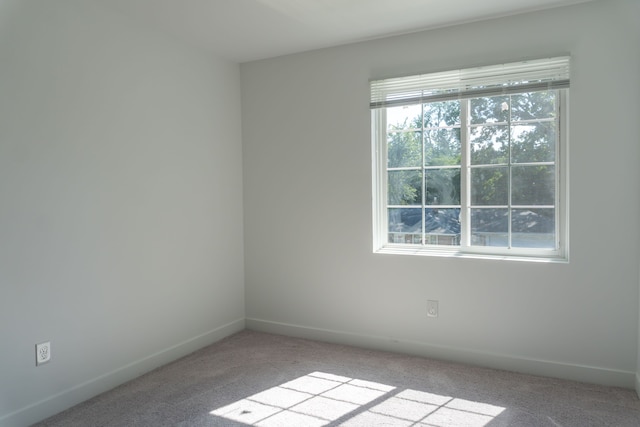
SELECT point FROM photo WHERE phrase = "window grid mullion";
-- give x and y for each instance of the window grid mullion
(465, 214)
(424, 180)
(510, 182)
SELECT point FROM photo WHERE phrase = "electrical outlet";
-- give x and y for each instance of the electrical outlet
(43, 353)
(432, 308)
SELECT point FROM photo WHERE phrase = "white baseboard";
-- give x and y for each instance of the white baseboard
(546, 368)
(67, 398)
(45, 408)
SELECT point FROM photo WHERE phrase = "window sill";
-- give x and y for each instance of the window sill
(456, 253)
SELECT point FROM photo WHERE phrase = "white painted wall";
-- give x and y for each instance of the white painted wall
(309, 267)
(120, 202)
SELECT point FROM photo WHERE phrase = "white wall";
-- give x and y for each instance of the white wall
(121, 202)
(309, 267)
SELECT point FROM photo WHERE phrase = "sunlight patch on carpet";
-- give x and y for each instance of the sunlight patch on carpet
(320, 398)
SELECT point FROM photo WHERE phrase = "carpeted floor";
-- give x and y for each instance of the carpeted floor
(259, 379)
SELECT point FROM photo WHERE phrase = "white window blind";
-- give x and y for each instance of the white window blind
(516, 77)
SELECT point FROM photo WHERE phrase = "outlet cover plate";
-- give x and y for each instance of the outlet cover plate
(432, 308)
(43, 353)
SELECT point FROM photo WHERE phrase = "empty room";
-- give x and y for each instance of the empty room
(319, 213)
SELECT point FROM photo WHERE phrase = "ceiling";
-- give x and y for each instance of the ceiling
(247, 30)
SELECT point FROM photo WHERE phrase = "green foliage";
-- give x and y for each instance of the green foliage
(404, 148)
(517, 130)
(405, 187)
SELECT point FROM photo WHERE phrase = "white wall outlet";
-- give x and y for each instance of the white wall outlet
(432, 308)
(43, 353)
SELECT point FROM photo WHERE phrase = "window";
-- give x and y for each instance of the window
(472, 161)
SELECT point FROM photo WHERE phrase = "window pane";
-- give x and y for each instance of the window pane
(442, 147)
(404, 149)
(489, 145)
(439, 114)
(443, 186)
(533, 228)
(534, 105)
(442, 226)
(405, 225)
(489, 186)
(533, 142)
(490, 227)
(533, 185)
(404, 117)
(489, 110)
(405, 187)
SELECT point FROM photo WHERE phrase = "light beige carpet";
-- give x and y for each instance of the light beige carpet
(258, 379)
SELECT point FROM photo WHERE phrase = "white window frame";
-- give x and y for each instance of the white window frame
(465, 249)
